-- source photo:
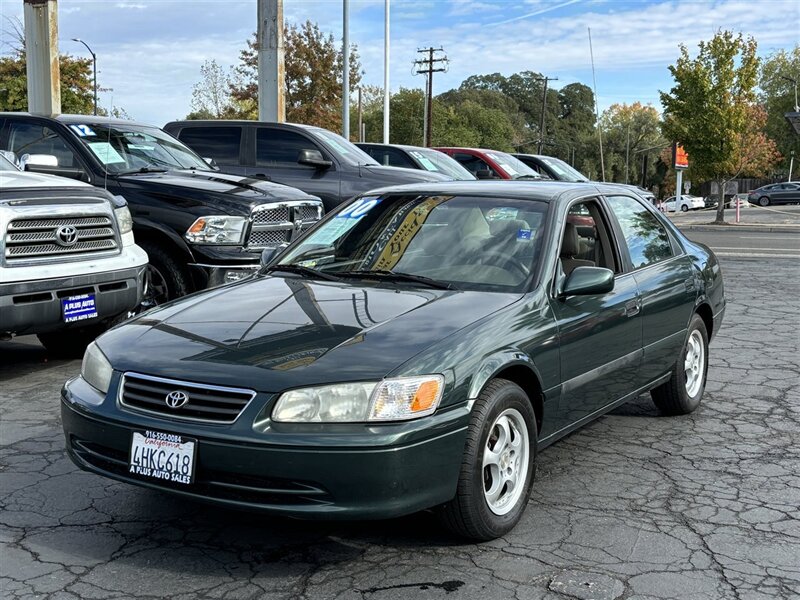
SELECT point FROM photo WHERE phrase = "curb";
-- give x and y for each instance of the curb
(753, 228)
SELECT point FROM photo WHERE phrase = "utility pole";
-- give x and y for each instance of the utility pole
(41, 51)
(346, 69)
(544, 110)
(627, 152)
(426, 66)
(386, 72)
(271, 73)
(360, 137)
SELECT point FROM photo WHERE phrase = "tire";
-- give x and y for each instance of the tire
(168, 278)
(682, 393)
(684, 208)
(763, 201)
(470, 514)
(71, 343)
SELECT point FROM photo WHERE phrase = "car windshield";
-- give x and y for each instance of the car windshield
(135, 148)
(461, 242)
(564, 171)
(439, 162)
(515, 168)
(344, 149)
(6, 165)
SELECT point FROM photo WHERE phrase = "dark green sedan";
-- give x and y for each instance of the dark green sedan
(415, 350)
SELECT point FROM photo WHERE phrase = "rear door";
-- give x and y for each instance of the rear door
(788, 192)
(666, 281)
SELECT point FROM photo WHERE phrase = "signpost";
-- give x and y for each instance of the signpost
(680, 161)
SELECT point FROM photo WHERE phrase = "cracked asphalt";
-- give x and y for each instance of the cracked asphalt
(635, 505)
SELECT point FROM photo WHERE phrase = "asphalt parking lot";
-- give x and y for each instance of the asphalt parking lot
(635, 505)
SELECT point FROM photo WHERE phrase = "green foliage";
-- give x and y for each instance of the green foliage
(777, 96)
(628, 130)
(707, 108)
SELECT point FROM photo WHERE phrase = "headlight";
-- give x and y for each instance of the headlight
(396, 399)
(96, 369)
(216, 230)
(124, 220)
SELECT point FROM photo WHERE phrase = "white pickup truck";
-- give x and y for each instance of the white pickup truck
(69, 267)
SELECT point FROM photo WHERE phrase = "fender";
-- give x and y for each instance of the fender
(492, 364)
(145, 225)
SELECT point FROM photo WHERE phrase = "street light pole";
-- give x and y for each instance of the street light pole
(94, 69)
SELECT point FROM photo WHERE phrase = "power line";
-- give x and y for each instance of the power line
(426, 66)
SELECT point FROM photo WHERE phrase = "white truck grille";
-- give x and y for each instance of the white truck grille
(35, 239)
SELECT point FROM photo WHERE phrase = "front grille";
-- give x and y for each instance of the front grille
(34, 239)
(209, 403)
(279, 223)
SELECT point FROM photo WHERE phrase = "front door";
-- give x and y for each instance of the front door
(600, 335)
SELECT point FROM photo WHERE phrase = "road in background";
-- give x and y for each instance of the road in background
(730, 242)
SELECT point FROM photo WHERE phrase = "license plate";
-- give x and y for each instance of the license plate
(78, 308)
(162, 456)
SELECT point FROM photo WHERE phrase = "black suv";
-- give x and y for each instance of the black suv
(312, 159)
(199, 227)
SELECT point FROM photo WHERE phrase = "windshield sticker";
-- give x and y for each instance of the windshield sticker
(83, 130)
(359, 208)
(140, 147)
(337, 145)
(426, 162)
(502, 213)
(105, 152)
(524, 235)
(344, 221)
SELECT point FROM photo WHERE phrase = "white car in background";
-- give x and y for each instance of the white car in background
(685, 204)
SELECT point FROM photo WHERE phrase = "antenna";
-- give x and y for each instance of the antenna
(597, 109)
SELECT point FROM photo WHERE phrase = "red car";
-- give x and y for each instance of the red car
(491, 164)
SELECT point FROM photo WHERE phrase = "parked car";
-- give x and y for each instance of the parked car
(552, 167)
(199, 227)
(776, 193)
(414, 350)
(491, 164)
(417, 157)
(69, 267)
(685, 204)
(312, 159)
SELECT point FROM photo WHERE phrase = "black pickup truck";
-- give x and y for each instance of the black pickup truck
(312, 159)
(199, 227)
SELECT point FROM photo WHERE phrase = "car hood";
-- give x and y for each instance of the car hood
(232, 191)
(274, 333)
(390, 175)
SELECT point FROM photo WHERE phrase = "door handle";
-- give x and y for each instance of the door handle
(632, 308)
(689, 284)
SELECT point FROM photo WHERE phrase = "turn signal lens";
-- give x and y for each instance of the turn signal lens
(222, 230)
(406, 398)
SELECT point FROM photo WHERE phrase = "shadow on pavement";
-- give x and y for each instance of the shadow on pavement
(22, 356)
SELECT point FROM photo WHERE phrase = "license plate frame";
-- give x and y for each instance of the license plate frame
(158, 456)
(79, 308)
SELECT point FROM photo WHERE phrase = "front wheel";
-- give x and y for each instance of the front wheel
(497, 471)
(763, 201)
(682, 393)
(684, 208)
(167, 276)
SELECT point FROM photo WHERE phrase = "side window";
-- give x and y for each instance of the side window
(647, 239)
(219, 143)
(396, 158)
(35, 138)
(280, 147)
(473, 164)
(585, 240)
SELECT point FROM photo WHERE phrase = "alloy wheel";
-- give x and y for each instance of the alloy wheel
(157, 290)
(694, 363)
(505, 461)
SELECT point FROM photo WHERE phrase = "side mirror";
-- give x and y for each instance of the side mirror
(585, 281)
(211, 163)
(270, 252)
(484, 174)
(48, 165)
(313, 158)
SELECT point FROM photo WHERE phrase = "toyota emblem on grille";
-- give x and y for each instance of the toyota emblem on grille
(66, 235)
(176, 399)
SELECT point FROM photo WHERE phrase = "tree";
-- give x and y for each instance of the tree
(777, 96)
(629, 129)
(708, 107)
(211, 97)
(313, 65)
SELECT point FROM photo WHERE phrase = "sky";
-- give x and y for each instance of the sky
(149, 52)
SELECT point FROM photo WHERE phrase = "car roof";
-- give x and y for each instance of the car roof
(69, 118)
(544, 191)
(222, 122)
(464, 149)
(401, 146)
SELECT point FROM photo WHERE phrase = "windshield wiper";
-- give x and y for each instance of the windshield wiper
(304, 271)
(397, 276)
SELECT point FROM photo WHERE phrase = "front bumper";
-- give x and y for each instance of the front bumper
(370, 471)
(218, 265)
(34, 306)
